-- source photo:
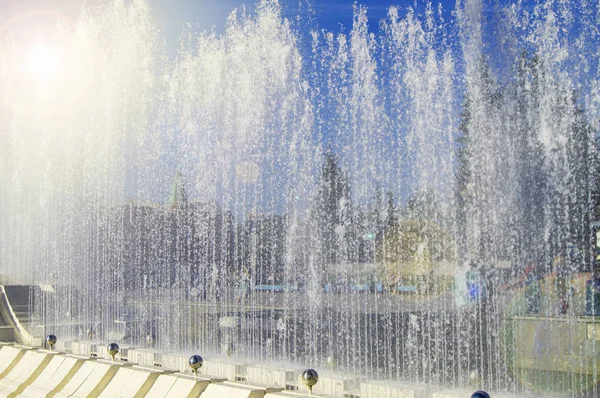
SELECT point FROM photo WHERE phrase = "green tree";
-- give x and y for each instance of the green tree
(540, 184)
(463, 176)
(331, 213)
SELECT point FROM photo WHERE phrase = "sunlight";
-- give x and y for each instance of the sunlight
(43, 62)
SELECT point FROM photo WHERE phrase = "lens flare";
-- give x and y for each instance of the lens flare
(43, 62)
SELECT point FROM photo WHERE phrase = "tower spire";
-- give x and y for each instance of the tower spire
(178, 194)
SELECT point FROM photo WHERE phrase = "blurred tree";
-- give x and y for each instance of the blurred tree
(331, 212)
(410, 252)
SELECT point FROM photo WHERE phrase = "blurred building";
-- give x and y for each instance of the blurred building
(177, 243)
(261, 247)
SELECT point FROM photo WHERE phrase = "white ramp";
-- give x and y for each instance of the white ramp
(127, 382)
(49, 370)
(233, 390)
(35, 388)
(185, 387)
(23, 370)
(64, 373)
(138, 383)
(8, 355)
(171, 386)
(117, 383)
(161, 386)
(77, 380)
(100, 377)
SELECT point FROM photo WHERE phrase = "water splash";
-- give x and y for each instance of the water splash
(325, 201)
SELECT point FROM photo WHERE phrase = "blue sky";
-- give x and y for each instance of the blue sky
(213, 12)
(174, 15)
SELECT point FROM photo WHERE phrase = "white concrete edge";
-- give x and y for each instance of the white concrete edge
(22, 336)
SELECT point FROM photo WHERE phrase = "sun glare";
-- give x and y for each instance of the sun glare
(48, 66)
(43, 62)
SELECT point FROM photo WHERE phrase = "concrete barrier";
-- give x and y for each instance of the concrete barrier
(63, 346)
(145, 357)
(336, 385)
(27, 372)
(223, 368)
(394, 389)
(102, 352)
(175, 362)
(273, 376)
(85, 348)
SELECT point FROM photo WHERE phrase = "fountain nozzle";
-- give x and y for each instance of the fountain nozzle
(51, 340)
(196, 363)
(113, 349)
(310, 378)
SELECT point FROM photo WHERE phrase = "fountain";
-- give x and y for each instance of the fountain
(381, 202)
